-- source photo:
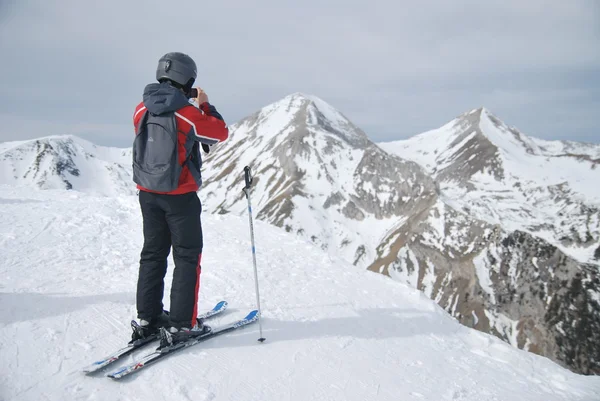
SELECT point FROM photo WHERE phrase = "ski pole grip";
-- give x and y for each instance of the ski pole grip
(248, 176)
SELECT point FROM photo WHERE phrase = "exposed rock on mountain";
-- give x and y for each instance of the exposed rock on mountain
(66, 162)
(476, 220)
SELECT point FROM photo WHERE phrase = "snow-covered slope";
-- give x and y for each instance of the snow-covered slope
(317, 175)
(495, 173)
(66, 162)
(335, 332)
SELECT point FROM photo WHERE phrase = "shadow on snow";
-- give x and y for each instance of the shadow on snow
(23, 306)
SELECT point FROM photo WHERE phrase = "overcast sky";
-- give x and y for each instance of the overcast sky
(395, 68)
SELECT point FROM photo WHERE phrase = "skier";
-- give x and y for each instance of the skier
(166, 167)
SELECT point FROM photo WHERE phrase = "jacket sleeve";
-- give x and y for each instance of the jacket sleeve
(207, 125)
(210, 110)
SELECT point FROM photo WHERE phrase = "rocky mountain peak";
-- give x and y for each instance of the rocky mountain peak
(507, 139)
(315, 170)
(299, 114)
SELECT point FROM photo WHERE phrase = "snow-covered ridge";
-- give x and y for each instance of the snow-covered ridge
(66, 162)
(317, 174)
(509, 140)
(284, 115)
(497, 174)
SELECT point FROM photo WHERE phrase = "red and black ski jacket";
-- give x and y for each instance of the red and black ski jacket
(198, 125)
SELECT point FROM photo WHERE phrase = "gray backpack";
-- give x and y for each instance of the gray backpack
(156, 153)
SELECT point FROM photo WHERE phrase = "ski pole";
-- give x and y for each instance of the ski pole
(248, 178)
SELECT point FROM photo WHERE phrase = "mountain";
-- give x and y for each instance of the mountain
(319, 176)
(66, 162)
(497, 174)
(500, 229)
(512, 247)
(334, 331)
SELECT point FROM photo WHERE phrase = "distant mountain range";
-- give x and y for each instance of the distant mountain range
(500, 229)
(66, 162)
(495, 173)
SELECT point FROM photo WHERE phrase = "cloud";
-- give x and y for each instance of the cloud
(15, 128)
(395, 68)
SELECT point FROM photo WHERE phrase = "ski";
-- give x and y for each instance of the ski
(94, 367)
(162, 352)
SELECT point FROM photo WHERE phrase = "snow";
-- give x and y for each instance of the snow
(327, 159)
(333, 331)
(404, 273)
(444, 163)
(482, 268)
(504, 325)
(101, 170)
(422, 148)
(544, 185)
(428, 282)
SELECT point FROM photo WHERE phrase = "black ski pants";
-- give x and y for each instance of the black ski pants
(170, 220)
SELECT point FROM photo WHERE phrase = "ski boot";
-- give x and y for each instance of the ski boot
(171, 336)
(148, 330)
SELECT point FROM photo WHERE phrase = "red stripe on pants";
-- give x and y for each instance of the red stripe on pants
(197, 291)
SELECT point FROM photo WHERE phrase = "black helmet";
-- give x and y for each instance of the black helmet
(178, 68)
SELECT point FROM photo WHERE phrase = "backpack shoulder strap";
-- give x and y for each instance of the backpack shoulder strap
(142, 121)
